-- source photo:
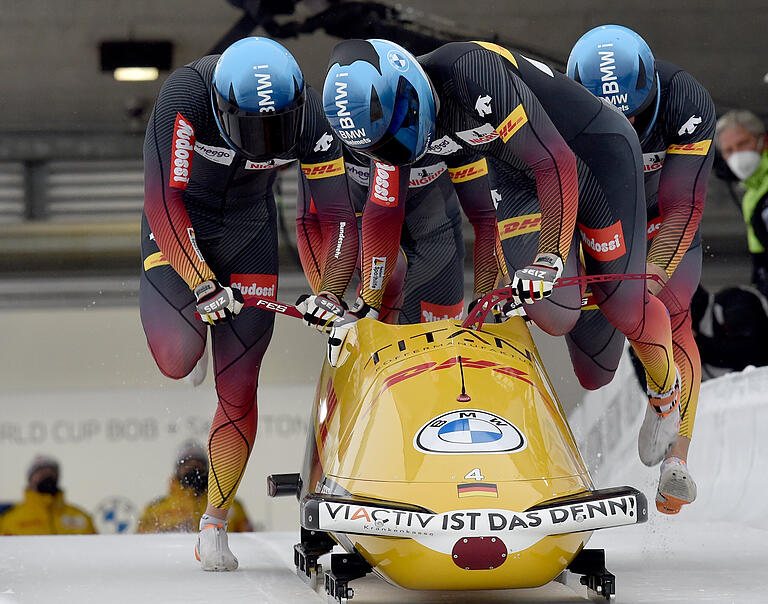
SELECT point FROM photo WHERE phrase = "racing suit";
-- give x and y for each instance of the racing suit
(677, 158)
(431, 246)
(210, 214)
(550, 142)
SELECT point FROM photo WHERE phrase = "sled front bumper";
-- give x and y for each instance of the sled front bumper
(587, 511)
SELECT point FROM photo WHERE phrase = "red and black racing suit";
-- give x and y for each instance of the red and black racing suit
(431, 247)
(553, 142)
(210, 214)
(677, 159)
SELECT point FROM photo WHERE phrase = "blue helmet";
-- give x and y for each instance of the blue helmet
(379, 100)
(257, 93)
(615, 63)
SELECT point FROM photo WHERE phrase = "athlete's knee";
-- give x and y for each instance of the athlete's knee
(175, 358)
(594, 379)
(556, 321)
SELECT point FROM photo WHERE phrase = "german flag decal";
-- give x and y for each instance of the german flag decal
(700, 148)
(477, 489)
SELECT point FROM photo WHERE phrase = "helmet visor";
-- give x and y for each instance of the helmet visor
(398, 145)
(259, 136)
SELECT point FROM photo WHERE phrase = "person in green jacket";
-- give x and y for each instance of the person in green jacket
(741, 138)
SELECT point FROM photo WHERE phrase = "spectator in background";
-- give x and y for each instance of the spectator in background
(44, 511)
(180, 510)
(740, 138)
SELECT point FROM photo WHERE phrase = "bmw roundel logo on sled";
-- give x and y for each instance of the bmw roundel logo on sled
(468, 431)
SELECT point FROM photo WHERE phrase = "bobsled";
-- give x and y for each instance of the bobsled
(439, 458)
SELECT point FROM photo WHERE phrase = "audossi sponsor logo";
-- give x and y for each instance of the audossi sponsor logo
(519, 225)
(513, 122)
(182, 146)
(653, 227)
(264, 286)
(155, 260)
(324, 170)
(603, 244)
(700, 148)
(438, 312)
(469, 171)
(384, 185)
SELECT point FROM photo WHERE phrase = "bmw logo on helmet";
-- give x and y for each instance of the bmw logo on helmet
(379, 100)
(615, 63)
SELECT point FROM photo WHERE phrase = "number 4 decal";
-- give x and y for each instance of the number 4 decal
(475, 474)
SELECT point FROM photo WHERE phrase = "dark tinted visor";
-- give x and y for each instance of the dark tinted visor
(404, 117)
(259, 136)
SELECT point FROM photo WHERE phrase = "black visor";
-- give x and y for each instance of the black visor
(405, 117)
(259, 135)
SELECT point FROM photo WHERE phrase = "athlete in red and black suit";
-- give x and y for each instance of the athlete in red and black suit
(432, 246)
(210, 229)
(539, 128)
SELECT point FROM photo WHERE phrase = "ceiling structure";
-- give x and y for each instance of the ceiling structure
(50, 80)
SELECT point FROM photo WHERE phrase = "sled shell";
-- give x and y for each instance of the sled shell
(378, 438)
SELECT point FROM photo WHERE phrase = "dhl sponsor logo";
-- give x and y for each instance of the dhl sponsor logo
(700, 148)
(499, 50)
(469, 171)
(512, 123)
(155, 260)
(519, 225)
(324, 170)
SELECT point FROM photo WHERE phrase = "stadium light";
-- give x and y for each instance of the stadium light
(136, 60)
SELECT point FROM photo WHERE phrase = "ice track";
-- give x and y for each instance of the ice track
(715, 551)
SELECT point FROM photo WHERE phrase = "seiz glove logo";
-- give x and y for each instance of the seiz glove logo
(217, 304)
(534, 272)
(328, 305)
(183, 146)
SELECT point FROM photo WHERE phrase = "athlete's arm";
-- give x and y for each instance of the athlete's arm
(529, 135)
(168, 163)
(470, 179)
(684, 176)
(309, 237)
(383, 217)
(324, 182)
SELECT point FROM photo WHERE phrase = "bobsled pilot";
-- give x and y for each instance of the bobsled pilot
(674, 118)
(549, 140)
(219, 128)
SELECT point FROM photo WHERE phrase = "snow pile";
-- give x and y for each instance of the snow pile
(729, 452)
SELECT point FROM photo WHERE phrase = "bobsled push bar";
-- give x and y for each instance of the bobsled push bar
(586, 511)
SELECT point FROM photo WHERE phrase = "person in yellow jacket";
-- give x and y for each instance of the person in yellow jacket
(741, 138)
(180, 510)
(44, 510)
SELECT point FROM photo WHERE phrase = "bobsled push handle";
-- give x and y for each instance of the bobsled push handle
(477, 317)
(270, 305)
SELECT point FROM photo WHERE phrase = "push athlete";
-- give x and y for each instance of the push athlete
(674, 118)
(541, 131)
(431, 246)
(219, 128)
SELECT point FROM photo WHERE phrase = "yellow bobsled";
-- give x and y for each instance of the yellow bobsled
(440, 458)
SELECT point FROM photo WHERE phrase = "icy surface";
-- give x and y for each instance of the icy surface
(714, 551)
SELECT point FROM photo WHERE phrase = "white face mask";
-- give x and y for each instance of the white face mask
(743, 163)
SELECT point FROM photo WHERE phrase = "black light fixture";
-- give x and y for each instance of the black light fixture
(136, 60)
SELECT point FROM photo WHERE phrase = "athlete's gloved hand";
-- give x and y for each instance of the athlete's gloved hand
(320, 311)
(217, 303)
(341, 328)
(536, 280)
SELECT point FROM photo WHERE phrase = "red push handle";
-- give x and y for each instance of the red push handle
(270, 305)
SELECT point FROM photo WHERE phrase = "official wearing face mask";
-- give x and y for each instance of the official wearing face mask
(741, 139)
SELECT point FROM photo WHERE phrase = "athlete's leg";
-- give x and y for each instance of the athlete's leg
(519, 220)
(612, 225)
(433, 244)
(175, 337)
(676, 296)
(595, 347)
(240, 246)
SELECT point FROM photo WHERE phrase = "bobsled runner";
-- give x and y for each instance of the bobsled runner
(439, 458)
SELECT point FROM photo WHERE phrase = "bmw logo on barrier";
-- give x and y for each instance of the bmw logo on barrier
(468, 431)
